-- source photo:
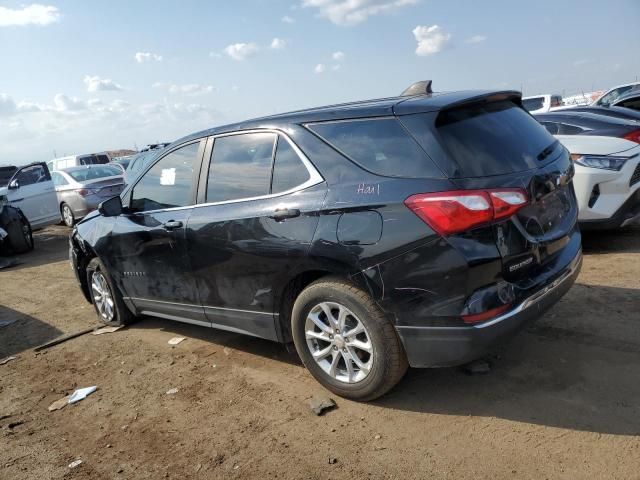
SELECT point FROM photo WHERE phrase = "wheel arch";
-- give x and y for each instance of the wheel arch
(295, 286)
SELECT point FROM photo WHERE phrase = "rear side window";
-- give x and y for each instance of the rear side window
(288, 169)
(240, 167)
(381, 146)
(493, 139)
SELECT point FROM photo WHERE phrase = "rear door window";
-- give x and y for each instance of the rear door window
(240, 167)
(493, 139)
(532, 104)
(379, 145)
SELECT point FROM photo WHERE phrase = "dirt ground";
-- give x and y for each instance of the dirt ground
(563, 401)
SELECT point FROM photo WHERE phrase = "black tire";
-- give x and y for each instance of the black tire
(66, 213)
(122, 315)
(20, 236)
(389, 359)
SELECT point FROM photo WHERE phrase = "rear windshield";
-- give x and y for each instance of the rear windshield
(381, 146)
(494, 139)
(94, 173)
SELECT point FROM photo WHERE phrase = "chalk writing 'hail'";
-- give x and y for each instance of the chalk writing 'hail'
(365, 189)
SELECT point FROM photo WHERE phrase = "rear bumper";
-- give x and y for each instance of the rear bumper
(451, 346)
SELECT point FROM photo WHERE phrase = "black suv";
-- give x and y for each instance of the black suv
(418, 230)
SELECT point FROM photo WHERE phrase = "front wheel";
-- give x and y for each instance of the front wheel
(346, 341)
(106, 298)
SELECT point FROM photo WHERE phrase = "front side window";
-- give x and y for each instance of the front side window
(240, 167)
(168, 183)
(288, 169)
(611, 97)
(31, 175)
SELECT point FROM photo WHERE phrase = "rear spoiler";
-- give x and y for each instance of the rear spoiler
(420, 98)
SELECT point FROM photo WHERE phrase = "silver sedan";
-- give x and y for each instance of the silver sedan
(81, 189)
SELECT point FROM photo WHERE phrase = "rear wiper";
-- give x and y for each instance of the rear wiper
(547, 151)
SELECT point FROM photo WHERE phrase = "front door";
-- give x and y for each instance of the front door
(252, 231)
(148, 243)
(31, 189)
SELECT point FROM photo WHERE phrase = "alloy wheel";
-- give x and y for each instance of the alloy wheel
(67, 215)
(339, 342)
(102, 297)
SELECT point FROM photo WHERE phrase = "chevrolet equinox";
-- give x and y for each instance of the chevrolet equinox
(422, 230)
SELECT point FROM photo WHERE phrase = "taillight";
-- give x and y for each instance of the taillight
(633, 136)
(456, 211)
(83, 192)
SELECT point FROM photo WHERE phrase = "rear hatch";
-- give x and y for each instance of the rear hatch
(492, 144)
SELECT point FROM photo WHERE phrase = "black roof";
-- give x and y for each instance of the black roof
(401, 105)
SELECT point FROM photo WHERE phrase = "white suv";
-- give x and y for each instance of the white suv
(607, 180)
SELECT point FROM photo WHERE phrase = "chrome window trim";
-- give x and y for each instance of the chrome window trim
(314, 176)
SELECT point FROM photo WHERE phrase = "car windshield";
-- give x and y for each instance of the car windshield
(93, 173)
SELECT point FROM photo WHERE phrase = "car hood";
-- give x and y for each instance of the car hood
(596, 145)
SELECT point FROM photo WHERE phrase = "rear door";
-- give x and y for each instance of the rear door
(35, 195)
(147, 247)
(252, 228)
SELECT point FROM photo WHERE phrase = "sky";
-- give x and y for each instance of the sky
(82, 76)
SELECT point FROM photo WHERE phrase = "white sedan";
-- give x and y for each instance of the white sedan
(607, 180)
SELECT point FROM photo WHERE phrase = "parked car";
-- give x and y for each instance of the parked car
(607, 180)
(138, 162)
(614, 93)
(77, 160)
(421, 230)
(30, 188)
(122, 161)
(81, 189)
(629, 100)
(587, 123)
(541, 103)
(616, 112)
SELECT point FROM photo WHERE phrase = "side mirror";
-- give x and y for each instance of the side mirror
(14, 184)
(111, 207)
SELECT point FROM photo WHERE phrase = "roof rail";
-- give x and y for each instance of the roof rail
(419, 88)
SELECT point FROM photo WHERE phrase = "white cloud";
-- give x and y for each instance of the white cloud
(430, 39)
(476, 39)
(63, 103)
(191, 89)
(97, 84)
(338, 56)
(288, 19)
(241, 51)
(34, 14)
(142, 57)
(278, 44)
(320, 68)
(352, 12)
(7, 105)
(581, 62)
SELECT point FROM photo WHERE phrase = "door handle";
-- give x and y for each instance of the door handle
(284, 213)
(172, 225)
